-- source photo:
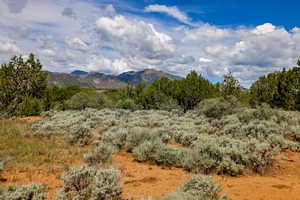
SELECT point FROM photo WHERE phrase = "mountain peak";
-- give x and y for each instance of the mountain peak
(146, 75)
(79, 72)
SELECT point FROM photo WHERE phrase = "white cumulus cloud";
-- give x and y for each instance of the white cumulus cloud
(113, 66)
(133, 37)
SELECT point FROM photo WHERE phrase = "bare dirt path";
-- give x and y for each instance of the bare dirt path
(142, 180)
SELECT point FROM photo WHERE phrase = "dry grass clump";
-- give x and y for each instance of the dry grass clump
(3, 161)
(26, 152)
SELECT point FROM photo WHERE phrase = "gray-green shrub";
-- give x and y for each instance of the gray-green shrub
(115, 137)
(197, 188)
(227, 155)
(157, 152)
(185, 138)
(87, 183)
(27, 192)
(100, 155)
(136, 136)
(79, 135)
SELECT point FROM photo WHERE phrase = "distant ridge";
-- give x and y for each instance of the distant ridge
(79, 72)
(147, 76)
(99, 80)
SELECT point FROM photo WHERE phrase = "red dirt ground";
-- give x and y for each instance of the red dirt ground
(141, 180)
(32, 118)
(282, 183)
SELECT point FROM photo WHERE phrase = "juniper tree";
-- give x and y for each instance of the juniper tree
(21, 80)
(230, 86)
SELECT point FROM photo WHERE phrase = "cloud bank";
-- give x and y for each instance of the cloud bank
(77, 34)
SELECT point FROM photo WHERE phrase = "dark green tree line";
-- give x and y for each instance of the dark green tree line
(279, 89)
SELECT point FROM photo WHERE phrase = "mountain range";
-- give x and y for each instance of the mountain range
(104, 81)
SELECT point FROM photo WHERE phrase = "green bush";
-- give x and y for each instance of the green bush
(128, 104)
(30, 106)
(218, 107)
(86, 99)
(57, 96)
(28, 192)
(88, 183)
(197, 188)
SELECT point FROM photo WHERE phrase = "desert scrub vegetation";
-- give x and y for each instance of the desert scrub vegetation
(79, 135)
(28, 192)
(85, 182)
(100, 155)
(199, 187)
(218, 136)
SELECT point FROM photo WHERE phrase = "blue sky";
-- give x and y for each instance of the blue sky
(212, 37)
(234, 12)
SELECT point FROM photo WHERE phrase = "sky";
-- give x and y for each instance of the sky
(212, 37)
